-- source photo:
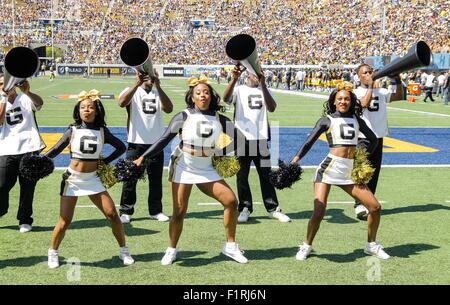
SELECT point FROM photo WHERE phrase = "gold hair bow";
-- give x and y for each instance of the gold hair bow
(194, 80)
(344, 86)
(94, 95)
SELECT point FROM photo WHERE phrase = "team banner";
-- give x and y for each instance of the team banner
(197, 71)
(94, 70)
(173, 71)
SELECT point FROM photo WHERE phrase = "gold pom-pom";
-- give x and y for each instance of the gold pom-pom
(362, 169)
(106, 174)
(226, 166)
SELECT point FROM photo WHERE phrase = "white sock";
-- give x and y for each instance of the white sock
(231, 244)
(171, 249)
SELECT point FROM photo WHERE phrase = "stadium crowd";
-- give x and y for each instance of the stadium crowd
(287, 31)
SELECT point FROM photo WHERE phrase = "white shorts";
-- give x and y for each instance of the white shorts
(335, 170)
(188, 169)
(80, 184)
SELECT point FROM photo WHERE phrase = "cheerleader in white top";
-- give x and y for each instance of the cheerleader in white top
(341, 123)
(199, 127)
(86, 137)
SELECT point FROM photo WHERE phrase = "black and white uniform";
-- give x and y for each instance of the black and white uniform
(145, 126)
(341, 130)
(86, 143)
(251, 120)
(19, 135)
(375, 117)
(201, 131)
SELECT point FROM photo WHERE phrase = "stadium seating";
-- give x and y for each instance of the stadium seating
(287, 32)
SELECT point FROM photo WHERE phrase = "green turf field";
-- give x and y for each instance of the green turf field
(291, 111)
(414, 226)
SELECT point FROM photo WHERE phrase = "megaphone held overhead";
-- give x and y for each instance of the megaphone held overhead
(20, 63)
(242, 49)
(419, 55)
(135, 53)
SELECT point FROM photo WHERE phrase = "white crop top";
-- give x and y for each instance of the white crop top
(343, 131)
(200, 130)
(86, 144)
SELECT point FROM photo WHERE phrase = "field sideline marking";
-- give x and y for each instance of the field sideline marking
(50, 86)
(318, 96)
(420, 112)
(91, 206)
(380, 201)
(382, 166)
(218, 203)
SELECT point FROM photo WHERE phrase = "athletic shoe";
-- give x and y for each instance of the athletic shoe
(125, 256)
(24, 228)
(361, 212)
(303, 252)
(124, 218)
(277, 214)
(243, 215)
(159, 217)
(375, 249)
(169, 257)
(232, 250)
(53, 260)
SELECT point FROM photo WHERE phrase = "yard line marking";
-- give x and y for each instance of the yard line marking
(91, 206)
(420, 112)
(315, 166)
(318, 96)
(218, 203)
(51, 86)
(352, 201)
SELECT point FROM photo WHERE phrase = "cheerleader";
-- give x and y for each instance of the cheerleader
(86, 137)
(341, 124)
(200, 128)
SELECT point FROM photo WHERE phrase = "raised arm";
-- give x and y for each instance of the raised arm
(166, 103)
(321, 126)
(398, 95)
(35, 99)
(228, 93)
(3, 101)
(125, 98)
(268, 98)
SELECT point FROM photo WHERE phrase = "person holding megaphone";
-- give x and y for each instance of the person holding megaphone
(374, 101)
(252, 100)
(19, 136)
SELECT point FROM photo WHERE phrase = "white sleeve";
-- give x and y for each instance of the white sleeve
(235, 95)
(385, 92)
(359, 93)
(123, 91)
(29, 102)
